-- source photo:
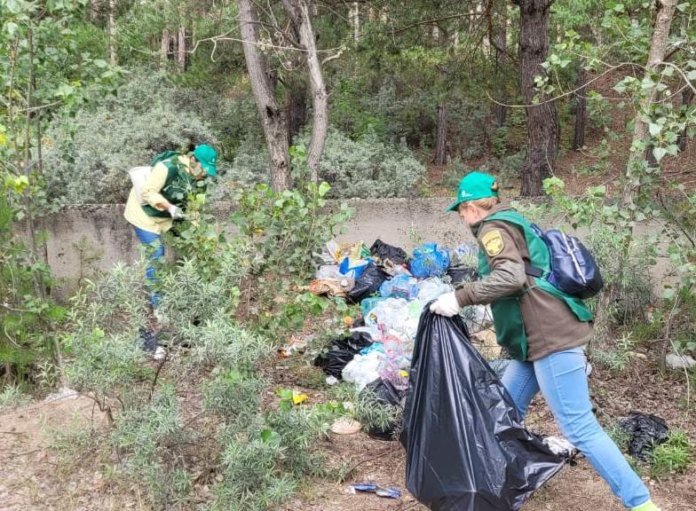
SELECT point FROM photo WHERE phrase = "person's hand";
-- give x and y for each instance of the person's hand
(446, 305)
(175, 212)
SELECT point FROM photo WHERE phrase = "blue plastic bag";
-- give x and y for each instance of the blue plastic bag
(353, 268)
(429, 261)
(401, 286)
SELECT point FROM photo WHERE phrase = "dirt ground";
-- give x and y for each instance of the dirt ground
(34, 476)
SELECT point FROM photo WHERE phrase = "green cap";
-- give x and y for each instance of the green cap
(475, 185)
(207, 156)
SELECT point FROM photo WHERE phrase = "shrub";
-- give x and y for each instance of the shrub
(86, 158)
(363, 168)
(675, 455)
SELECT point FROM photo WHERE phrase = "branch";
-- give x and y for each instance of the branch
(570, 92)
(435, 20)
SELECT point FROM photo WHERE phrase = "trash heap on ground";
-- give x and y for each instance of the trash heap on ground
(392, 289)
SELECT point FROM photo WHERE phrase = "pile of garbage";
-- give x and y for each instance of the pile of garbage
(392, 289)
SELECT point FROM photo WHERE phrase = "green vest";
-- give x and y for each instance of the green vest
(177, 187)
(507, 314)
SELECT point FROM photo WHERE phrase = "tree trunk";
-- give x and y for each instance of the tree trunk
(354, 20)
(113, 56)
(499, 36)
(272, 117)
(542, 119)
(164, 47)
(181, 48)
(299, 13)
(580, 110)
(658, 45)
(687, 98)
(440, 156)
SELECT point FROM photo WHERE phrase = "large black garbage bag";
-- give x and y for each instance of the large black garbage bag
(385, 251)
(466, 448)
(367, 283)
(646, 432)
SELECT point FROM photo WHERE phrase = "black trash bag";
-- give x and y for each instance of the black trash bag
(367, 284)
(342, 351)
(460, 274)
(466, 447)
(647, 431)
(356, 341)
(388, 395)
(333, 362)
(385, 251)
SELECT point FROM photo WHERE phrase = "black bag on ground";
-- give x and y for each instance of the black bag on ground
(367, 284)
(646, 432)
(342, 351)
(385, 251)
(466, 447)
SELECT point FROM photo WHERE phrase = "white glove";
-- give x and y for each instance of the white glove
(446, 305)
(175, 212)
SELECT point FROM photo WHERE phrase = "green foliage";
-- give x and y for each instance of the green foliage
(28, 318)
(154, 437)
(288, 227)
(12, 396)
(89, 154)
(375, 414)
(674, 456)
(364, 168)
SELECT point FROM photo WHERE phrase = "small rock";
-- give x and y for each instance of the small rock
(680, 361)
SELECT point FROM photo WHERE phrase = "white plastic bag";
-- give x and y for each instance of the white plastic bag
(138, 176)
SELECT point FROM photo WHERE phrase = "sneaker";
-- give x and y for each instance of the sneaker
(648, 506)
(159, 354)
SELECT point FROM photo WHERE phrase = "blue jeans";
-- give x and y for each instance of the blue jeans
(155, 251)
(563, 383)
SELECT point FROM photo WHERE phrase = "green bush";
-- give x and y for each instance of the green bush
(87, 158)
(673, 456)
(365, 168)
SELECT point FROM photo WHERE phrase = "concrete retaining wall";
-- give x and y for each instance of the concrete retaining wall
(82, 239)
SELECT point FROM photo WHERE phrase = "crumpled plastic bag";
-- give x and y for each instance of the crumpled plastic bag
(647, 431)
(367, 284)
(363, 369)
(466, 446)
(429, 261)
(385, 252)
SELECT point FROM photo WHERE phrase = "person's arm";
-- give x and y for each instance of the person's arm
(151, 189)
(508, 275)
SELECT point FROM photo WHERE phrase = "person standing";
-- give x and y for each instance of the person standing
(162, 199)
(544, 330)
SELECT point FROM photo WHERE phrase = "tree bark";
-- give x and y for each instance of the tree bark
(542, 119)
(687, 99)
(164, 47)
(580, 110)
(272, 116)
(299, 12)
(354, 19)
(440, 156)
(658, 45)
(498, 37)
(113, 56)
(181, 52)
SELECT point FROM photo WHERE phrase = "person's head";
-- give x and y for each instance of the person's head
(204, 160)
(476, 196)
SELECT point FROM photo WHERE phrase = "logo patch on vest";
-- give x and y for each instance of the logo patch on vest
(493, 242)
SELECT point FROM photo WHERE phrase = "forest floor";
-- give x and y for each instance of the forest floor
(36, 476)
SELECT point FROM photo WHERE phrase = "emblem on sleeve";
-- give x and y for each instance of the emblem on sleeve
(493, 242)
